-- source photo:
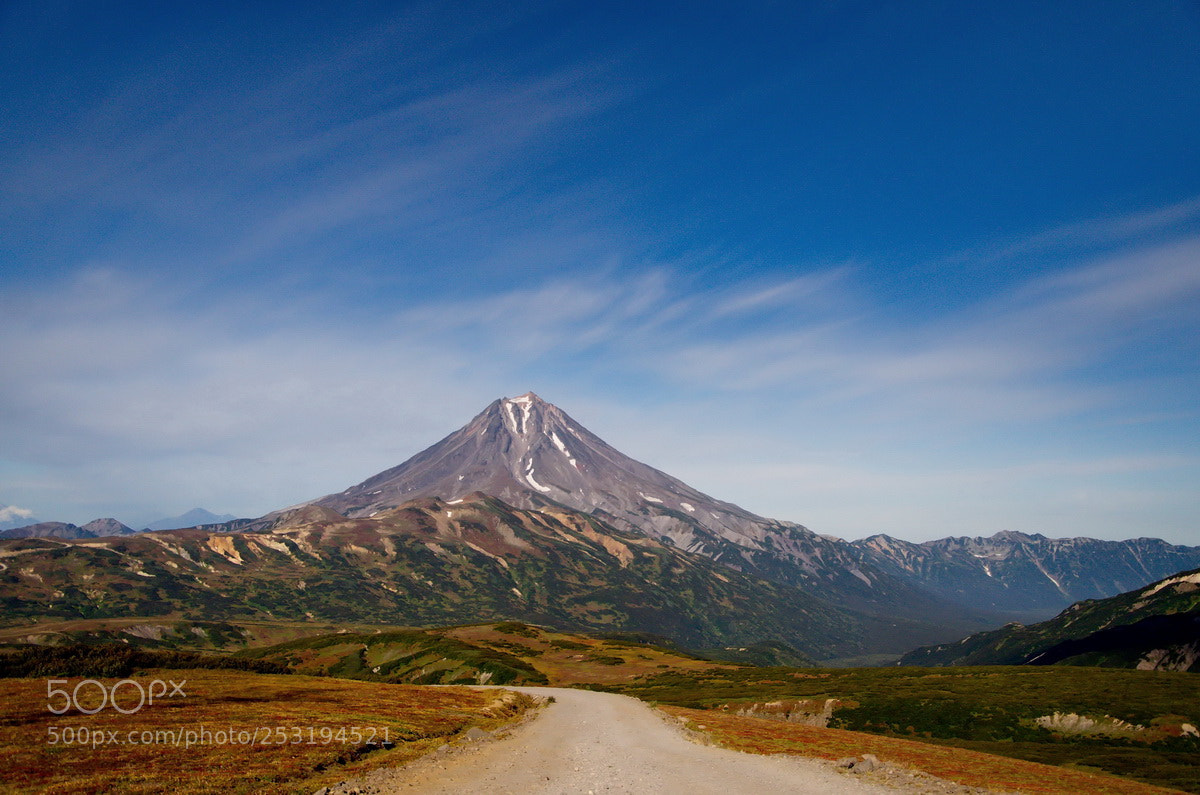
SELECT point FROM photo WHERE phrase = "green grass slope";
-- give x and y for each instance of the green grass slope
(507, 652)
(1155, 627)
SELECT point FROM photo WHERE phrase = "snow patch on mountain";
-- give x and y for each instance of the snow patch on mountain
(563, 449)
(532, 482)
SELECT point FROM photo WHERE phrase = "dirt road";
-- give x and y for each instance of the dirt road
(600, 743)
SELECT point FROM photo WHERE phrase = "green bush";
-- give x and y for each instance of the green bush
(116, 660)
(517, 628)
(567, 644)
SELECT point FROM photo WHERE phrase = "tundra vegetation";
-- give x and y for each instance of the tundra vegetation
(952, 722)
(1138, 724)
(268, 733)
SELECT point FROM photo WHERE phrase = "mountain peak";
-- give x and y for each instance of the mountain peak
(532, 455)
(528, 397)
(528, 452)
(193, 518)
(526, 414)
(108, 527)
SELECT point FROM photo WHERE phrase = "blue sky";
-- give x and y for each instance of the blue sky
(925, 269)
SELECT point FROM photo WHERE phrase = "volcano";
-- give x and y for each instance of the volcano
(531, 454)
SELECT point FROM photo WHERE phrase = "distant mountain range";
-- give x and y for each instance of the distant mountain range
(1027, 576)
(111, 527)
(523, 513)
(193, 518)
(1155, 627)
(93, 529)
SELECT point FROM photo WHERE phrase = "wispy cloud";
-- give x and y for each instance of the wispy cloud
(1027, 353)
(129, 389)
(787, 295)
(9, 513)
(1094, 234)
(126, 391)
(425, 161)
(420, 153)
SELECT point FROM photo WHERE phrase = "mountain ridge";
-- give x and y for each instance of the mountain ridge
(531, 454)
(196, 517)
(529, 471)
(432, 562)
(1030, 576)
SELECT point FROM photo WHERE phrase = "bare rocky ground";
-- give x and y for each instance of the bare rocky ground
(585, 742)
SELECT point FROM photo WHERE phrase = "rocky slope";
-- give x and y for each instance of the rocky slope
(432, 562)
(1028, 576)
(528, 453)
(1155, 627)
(107, 527)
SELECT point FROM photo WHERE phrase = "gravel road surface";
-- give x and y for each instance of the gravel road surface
(596, 743)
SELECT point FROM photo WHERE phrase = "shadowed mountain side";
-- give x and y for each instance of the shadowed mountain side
(1156, 627)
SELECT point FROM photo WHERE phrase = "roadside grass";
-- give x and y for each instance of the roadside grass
(319, 744)
(970, 768)
(513, 652)
(570, 658)
(507, 652)
(986, 709)
(174, 632)
(409, 656)
(990, 710)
